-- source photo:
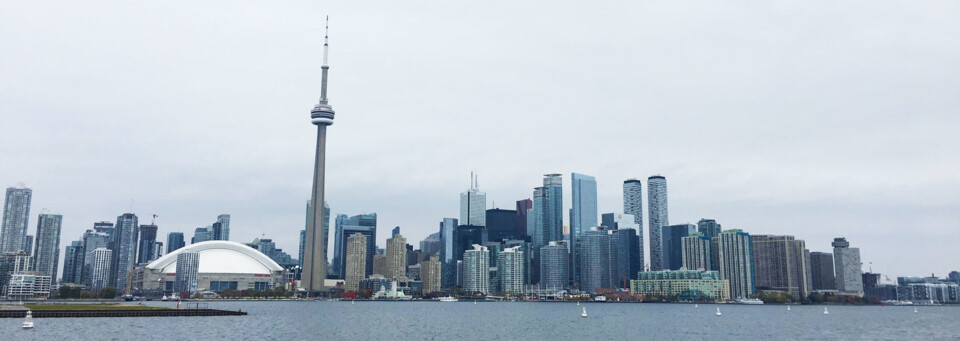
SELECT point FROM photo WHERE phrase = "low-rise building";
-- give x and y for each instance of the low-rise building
(686, 284)
(28, 286)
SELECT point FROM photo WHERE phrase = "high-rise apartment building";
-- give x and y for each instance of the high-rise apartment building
(431, 275)
(476, 270)
(735, 256)
(365, 224)
(175, 241)
(631, 241)
(28, 244)
(473, 205)
(671, 247)
(583, 215)
(188, 266)
(633, 200)
(708, 227)
(46, 253)
(595, 260)
(396, 257)
(101, 261)
(73, 262)
(356, 261)
(124, 249)
(697, 252)
(16, 217)
(92, 240)
(148, 244)
(657, 201)
(846, 262)
(780, 264)
(510, 263)
(821, 269)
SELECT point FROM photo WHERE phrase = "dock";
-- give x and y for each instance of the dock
(120, 313)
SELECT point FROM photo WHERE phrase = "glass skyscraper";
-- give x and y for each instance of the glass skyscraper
(735, 256)
(671, 246)
(73, 262)
(583, 215)
(147, 245)
(124, 249)
(448, 258)
(365, 224)
(708, 227)
(16, 216)
(46, 254)
(175, 241)
(473, 206)
(657, 199)
(633, 200)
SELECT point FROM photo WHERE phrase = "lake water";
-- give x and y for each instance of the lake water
(508, 321)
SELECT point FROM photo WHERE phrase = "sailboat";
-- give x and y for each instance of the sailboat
(584, 313)
(578, 302)
(696, 305)
(28, 321)
(914, 310)
(825, 312)
(353, 302)
(788, 307)
(718, 312)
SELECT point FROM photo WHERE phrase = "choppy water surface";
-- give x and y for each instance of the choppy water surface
(508, 321)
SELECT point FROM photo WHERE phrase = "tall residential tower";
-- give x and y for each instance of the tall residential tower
(657, 199)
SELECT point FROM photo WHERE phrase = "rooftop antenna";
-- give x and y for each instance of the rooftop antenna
(154, 219)
(324, 66)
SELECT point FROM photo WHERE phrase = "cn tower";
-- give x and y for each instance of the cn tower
(314, 255)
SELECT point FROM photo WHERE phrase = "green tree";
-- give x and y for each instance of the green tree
(108, 292)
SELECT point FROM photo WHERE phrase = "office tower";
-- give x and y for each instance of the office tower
(314, 263)
(104, 227)
(73, 262)
(821, 268)
(175, 241)
(395, 232)
(431, 275)
(846, 262)
(16, 216)
(396, 257)
(466, 236)
(476, 270)
(221, 229)
(501, 225)
(303, 243)
(148, 244)
(100, 265)
(202, 234)
(510, 263)
(736, 262)
(124, 249)
(708, 227)
(608, 221)
(553, 207)
(583, 215)
(524, 207)
(631, 244)
(356, 266)
(697, 252)
(28, 244)
(779, 264)
(633, 200)
(93, 240)
(365, 224)
(595, 260)
(326, 239)
(188, 267)
(46, 254)
(670, 245)
(430, 246)
(448, 256)
(473, 205)
(657, 201)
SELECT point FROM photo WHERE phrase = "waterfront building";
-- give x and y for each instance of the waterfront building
(657, 201)
(73, 262)
(524, 209)
(175, 241)
(148, 244)
(473, 205)
(29, 286)
(101, 261)
(846, 262)
(448, 255)
(583, 215)
(221, 265)
(396, 257)
(631, 244)
(188, 269)
(125, 249)
(501, 225)
(633, 201)
(16, 217)
(708, 227)
(476, 270)
(356, 266)
(821, 268)
(780, 265)
(93, 240)
(13, 263)
(735, 257)
(596, 260)
(510, 270)
(46, 253)
(554, 265)
(697, 252)
(431, 275)
(685, 284)
(671, 247)
(365, 224)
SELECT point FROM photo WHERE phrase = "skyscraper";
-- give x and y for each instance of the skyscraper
(188, 266)
(221, 229)
(780, 264)
(631, 244)
(821, 269)
(396, 257)
(657, 199)
(202, 234)
(708, 227)
(476, 270)
(356, 261)
(365, 224)
(524, 207)
(553, 206)
(16, 216)
(736, 262)
(124, 249)
(501, 225)
(448, 258)
(46, 254)
(633, 200)
(510, 269)
(28, 244)
(314, 264)
(430, 274)
(175, 241)
(93, 240)
(73, 262)
(100, 264)
(595, 260)
(846, 261)
(697, 252)
(671, 248)
(148, 244)
(473, 205)
(583, 214)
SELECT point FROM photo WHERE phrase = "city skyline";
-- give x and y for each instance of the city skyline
(794, 176)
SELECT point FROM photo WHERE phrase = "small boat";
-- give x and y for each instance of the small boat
(825, 312)
(696, 305)
(718, 312)
(474, 302)
(448, 299)
(578, 302)
(749, 301)
(914, 310)
(28, 321)
(164, 298)
(584, 313)
(788, 307)
(353, 302)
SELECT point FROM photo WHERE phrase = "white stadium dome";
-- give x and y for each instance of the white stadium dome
(219, 257)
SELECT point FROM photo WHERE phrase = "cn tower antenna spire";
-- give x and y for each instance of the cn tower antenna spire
(324, 66)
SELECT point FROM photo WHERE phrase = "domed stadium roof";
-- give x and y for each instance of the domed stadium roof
(220, 256)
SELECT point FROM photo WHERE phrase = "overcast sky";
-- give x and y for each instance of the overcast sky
(816, 119)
